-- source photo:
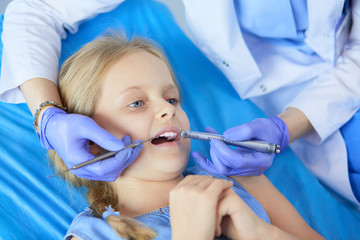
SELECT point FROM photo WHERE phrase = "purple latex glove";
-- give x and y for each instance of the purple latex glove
(69, 135)
(241, 161)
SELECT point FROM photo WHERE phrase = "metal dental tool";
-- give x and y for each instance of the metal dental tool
(259, 146)
(102, 157)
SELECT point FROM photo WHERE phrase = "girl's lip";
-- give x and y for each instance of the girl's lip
(170, 129)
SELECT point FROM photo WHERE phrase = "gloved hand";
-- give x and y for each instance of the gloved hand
(226, 161)
(69, 135)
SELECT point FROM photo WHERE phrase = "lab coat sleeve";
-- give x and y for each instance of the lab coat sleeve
(332, 99)
(32, 33)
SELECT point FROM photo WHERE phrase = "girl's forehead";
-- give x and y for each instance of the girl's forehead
(138, 68)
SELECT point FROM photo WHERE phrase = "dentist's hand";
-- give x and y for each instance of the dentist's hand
(69, 135)
(241, 161)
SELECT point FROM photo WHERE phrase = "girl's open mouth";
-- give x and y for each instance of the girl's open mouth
(168, 136)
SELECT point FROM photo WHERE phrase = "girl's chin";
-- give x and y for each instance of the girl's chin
(171, 168)
(158, 162)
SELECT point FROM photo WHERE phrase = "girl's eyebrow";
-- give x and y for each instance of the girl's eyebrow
(166, 88)
(170, 87)
(130, 89)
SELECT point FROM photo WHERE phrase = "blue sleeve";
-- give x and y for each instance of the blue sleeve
(87, 227)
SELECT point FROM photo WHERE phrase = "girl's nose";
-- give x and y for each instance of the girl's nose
(165, 111)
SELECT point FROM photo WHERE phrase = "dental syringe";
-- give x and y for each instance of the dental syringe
(259, 146)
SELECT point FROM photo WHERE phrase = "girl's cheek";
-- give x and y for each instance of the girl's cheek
(138, 128)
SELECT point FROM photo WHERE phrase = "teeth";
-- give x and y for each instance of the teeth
(169, 135)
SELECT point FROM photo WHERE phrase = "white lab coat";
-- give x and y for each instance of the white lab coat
(276, 77)
(215, 31)
(32, 33)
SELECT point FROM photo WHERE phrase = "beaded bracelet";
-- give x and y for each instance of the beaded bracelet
(40, 108)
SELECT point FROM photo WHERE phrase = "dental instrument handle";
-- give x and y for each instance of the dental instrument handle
(101, 157)
(259, 146)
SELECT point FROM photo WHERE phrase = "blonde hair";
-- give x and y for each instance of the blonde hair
(80, 86)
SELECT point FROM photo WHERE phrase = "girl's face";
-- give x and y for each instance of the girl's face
(139, 98)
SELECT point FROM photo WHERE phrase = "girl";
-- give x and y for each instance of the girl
(128, 88)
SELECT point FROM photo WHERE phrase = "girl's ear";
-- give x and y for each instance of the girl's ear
(95, 149)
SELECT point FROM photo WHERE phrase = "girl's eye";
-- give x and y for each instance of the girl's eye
(136, 104)
(172, 101)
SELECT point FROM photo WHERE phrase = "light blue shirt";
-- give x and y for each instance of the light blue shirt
(273, 18)
(87, 226)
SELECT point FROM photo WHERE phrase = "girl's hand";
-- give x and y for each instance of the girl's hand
(236, 220)
(193, 206)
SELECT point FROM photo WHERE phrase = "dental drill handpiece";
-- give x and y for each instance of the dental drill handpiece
(259, 146)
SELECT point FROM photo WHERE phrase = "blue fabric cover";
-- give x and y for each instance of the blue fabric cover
(351, 134)
(33, 206)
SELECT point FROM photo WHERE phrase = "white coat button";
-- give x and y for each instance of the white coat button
(225, 63)
(263, 87)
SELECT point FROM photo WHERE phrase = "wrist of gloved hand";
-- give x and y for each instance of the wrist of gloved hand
(48, 114)
(280, 124)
